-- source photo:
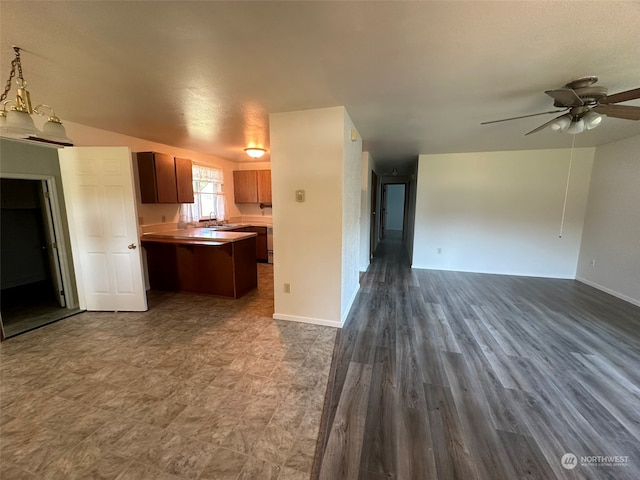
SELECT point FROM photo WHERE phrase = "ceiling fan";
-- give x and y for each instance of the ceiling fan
(583, 105)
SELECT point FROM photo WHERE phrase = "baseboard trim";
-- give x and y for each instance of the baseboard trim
(314, 321)
(619, 295)
(346, 312)
(513, 274)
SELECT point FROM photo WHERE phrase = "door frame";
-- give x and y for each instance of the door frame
(373, 240)
(383, 205)
(383, 208)
(51, 238)
(70, 294)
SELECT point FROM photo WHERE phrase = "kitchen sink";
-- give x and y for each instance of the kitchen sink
(227, 226)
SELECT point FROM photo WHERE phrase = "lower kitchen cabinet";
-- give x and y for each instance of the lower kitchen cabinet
(227, 270)
(262, 253)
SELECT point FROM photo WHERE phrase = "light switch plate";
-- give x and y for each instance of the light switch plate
(299, 195)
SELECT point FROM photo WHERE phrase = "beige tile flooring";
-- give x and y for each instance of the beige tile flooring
(196, 388)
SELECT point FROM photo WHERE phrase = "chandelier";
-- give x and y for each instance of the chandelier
(17, 122)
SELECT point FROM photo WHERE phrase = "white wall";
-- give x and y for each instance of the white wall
(394, 209)
(366, 167)
(612, 224)
(84, 136)
(308, 153)
(500, 212)
(351, 197)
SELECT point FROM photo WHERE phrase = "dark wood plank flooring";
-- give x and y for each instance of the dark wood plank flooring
(445, 375)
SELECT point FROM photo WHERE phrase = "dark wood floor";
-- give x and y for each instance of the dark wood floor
(445, 375)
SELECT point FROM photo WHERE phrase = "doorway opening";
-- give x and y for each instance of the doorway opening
(32, 291)
(373, 238)
(394, 205)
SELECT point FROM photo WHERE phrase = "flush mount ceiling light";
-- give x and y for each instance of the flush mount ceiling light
(17, 121)
(254, 152)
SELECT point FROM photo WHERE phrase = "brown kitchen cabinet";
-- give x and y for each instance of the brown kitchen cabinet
(252, 186)
(264, 186)
(245, 186)
(184, 180)
(164, 179)
(226, 270)
(262, 253)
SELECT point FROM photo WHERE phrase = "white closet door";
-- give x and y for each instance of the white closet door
(101, 208)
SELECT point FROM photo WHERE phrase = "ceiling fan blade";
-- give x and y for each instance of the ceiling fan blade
(565, 97)
(622, 96)
(627, 112)
(523, 116)
(543, 126)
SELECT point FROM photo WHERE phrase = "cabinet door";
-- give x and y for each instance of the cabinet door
(147, 177)
(264, 186)
(166, 178)
(245, 186)
(262, 254)
(184, 180)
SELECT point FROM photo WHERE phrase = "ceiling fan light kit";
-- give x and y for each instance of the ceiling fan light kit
(577, 126)
(17, 122)
(561, 123)
(592, 119)
(584, 105)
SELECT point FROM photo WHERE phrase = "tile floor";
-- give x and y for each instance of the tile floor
(196, 388)
(31, 306)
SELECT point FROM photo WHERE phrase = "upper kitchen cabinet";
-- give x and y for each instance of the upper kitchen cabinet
(264, 186)
(252, 186)
(184, 180)
(164, 179)
(245, 186)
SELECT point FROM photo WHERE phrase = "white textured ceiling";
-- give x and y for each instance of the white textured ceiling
(416, 77)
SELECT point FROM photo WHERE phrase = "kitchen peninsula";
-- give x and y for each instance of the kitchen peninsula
(202, 260)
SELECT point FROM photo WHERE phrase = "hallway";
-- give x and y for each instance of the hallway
(447, 375)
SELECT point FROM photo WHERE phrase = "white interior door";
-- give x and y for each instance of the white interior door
(101, 208)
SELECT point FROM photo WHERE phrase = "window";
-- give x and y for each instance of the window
(207, 193)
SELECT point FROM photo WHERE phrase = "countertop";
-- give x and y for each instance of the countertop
(197, 236)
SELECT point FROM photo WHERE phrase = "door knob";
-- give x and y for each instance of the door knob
(132, 246)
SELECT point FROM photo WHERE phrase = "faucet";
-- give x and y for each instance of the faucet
(213, 221)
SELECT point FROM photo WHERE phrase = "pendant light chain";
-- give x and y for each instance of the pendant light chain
(566, 190)
(15, 62)
(19, 63)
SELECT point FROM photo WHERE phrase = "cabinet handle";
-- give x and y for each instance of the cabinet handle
(132, 246)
